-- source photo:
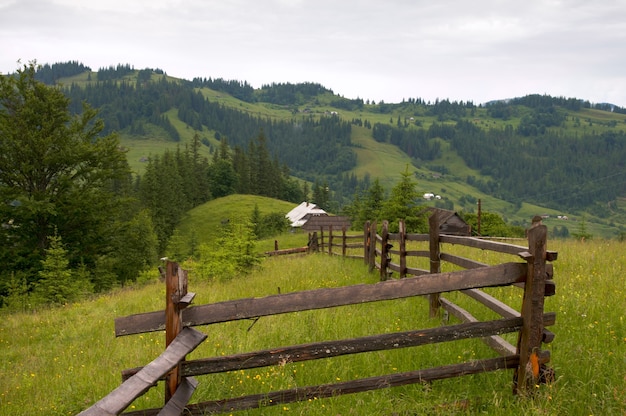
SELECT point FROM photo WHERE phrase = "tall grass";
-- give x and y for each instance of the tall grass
(59, 361)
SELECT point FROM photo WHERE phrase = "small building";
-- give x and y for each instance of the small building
(323, 223)
(450, 222)
(302, 213)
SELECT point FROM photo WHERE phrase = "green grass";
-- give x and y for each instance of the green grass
(380, 160)
(200, 223)
(384, 161)
(59, 361)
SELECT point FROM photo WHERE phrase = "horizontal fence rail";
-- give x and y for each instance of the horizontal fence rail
(532, 274)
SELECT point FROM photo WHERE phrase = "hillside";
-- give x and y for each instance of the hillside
(521, 157)
(200, 224)
(59, 361)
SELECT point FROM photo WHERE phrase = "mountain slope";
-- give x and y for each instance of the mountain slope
(557, 152)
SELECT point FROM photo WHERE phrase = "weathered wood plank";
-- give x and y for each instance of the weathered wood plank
(349, 387)
(418, 253)
(329, 349)
(287, 251)
(178, 402)
(531, 335)
(355, 386)
(503, 309)
(394, 267)
(435, 261)
(462, 261)
(186, 300)
(120, 398)
(500, 275)
(498, 344)
(416, 272)
(483, 244)
(417, 237)
(492, 303)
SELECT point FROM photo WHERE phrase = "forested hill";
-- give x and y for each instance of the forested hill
(563, 153)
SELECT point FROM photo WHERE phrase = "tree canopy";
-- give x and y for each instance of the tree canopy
(58, 177)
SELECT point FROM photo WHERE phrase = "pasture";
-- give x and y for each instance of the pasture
(59, 361)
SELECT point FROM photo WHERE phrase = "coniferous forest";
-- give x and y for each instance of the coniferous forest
(536, 149)
(528, 149)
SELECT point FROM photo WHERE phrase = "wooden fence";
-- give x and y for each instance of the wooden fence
(527, 359)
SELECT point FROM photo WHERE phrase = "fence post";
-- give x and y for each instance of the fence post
(384, 251)
(372, 247)
(435, 260)
(530, 337)
(402, 231)
(366, 242)
(313, 243)
(175, 290)
(330, 240)
(344, 241)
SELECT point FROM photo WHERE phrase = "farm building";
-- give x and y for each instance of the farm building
(450, 222)
(324, 223)
(303, 212)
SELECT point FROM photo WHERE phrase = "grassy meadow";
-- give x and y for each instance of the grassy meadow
(59, 361)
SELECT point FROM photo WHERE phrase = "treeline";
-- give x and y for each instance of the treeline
(402, 202)
(73, 219)
(238, 89)
(319, 149)
(416, 143)
(49, 74)
(176, 181)
(290, 94)
(275, 93)
(549, 169)
(308, 146)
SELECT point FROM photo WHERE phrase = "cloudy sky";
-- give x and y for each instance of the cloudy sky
(378, 50)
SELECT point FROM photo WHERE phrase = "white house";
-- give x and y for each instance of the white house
(300, 214)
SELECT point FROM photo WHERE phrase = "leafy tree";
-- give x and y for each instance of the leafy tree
(58, 176)
(492, 224)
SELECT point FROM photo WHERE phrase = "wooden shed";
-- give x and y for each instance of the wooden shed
(318, 223)
(450, 222)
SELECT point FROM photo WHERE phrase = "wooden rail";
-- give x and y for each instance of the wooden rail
(526, 358)
(120, 398)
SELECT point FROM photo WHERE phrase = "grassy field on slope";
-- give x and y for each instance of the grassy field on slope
(385, 161)
(60, 361)
(200, 224)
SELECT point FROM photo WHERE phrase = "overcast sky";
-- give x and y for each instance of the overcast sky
(388, 50)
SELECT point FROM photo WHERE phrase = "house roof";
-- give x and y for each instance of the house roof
(300, 214)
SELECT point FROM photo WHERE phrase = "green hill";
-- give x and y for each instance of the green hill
(521, 157)
(200, 224)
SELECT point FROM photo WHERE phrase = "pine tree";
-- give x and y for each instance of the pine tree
(57, 283)
(402, 205)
